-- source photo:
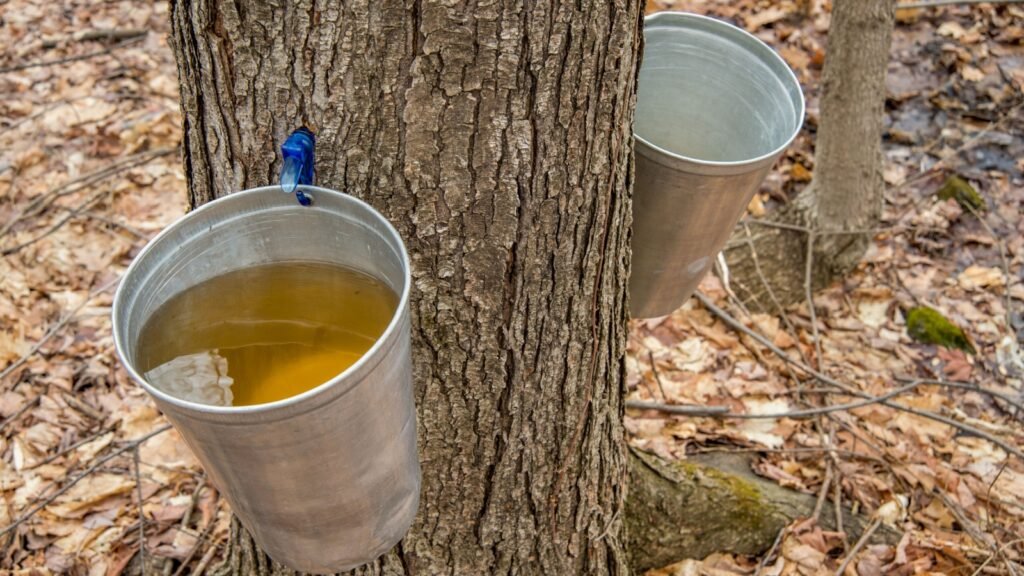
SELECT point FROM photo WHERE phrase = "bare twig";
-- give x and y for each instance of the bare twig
(992, 556)
(71, 483)
(823, 492)
(142, 515)
(837, 502)
(74, 446)
(97, 34)
(60, 223)
(809, 294)
(40, 202)
(17, 414)
(974, 531)
(205, 561)
(722, 412)
(970, 387)
(679, 409)
(75, 58)
(1007, 299)
(935, 3)
(195, 548)
(857, 547)
(113, 223)
(657, 376)
(824, 378)
(56, 328)
(771, 551)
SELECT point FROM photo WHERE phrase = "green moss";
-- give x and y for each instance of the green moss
(965, 195)
(929, 327)
(747, 505)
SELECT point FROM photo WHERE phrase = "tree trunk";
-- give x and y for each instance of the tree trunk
(496, 136)
(847, 191)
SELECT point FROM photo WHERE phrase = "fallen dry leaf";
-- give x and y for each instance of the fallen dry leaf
(981, 277)
(93, 489)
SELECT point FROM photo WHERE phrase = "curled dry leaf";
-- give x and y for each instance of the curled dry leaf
(975, 277)
(93, 489)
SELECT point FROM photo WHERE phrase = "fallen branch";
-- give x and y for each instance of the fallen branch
(722, 412)
(935, 3)
(824, 378)
(972, 387)
(76, 58)
(72, 213)
(39, 203)
(97, 34)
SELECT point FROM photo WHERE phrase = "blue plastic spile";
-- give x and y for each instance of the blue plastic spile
(297, 152)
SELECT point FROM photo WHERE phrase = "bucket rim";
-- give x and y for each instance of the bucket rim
(364, 362)
(767, 54)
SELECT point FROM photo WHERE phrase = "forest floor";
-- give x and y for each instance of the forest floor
(90, 476)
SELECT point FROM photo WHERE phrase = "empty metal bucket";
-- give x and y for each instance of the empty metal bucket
(715, 109)
(328, 479)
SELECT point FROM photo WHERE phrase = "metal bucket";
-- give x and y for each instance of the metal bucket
(715, 109)
(328, 479)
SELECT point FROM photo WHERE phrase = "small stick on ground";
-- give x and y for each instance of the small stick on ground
(28, 405)
(771, 551)
(722, 411)
(195, 548)
(824, 378)
(97, 34)
(657, 376)
(809, 294)
(142, 515)
(823, 493)
(857, 547)
(71, 214)
(76, 58)
(936, 3)
(837, 501)
(74, 446)
(205, 561)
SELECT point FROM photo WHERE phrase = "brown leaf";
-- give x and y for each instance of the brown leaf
(765, 17)
(90, 491)
(799, 173)
(980, 277)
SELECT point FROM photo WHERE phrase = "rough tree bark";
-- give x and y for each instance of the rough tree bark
(847, 191)
(496, 136)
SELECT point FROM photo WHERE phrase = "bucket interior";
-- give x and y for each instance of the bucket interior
(712, 93)
(248, 229)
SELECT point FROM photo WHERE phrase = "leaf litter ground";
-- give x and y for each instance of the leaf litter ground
(95, 483)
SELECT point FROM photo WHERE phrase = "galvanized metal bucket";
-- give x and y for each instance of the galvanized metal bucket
(715, 109)
(326, 480)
